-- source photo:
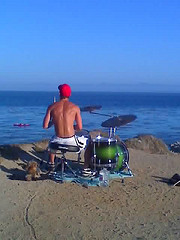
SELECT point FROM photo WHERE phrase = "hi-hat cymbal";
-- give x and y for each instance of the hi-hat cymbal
(91, 108)
(118, 121)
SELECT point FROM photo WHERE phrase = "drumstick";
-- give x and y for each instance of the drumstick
(102, 114)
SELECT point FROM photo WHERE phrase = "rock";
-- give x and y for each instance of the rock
(175, 178)
(175, 147)
(148, 143)
(10, 151)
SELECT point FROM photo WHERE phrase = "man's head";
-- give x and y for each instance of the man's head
(64, 90)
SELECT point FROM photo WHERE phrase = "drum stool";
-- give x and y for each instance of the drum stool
(61, 149)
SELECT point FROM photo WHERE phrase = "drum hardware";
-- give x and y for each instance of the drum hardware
(104, 153)
(91, 108)
(82, 132)
(118, 121)
(108, 152)
(115, 156)
(111, 154)
(112, 123)
(94, 156)
(101, 114)
(112, 132)
(64, 164)
(128, 168)
(60, 150)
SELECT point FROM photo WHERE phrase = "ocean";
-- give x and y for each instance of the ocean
(157, 114)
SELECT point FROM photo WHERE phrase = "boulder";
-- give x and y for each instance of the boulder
(175, 147)
(148, 143)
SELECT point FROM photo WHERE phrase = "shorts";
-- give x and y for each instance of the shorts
(81, 142)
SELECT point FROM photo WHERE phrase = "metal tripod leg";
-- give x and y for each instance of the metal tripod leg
(63, 163)
(79, 157)
(129, 170)
(73, 172)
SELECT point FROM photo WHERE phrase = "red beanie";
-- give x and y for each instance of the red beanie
(65, 90)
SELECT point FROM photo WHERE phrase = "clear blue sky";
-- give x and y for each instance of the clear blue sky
(107, 45)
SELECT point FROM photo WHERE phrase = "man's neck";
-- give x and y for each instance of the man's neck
(64, 99)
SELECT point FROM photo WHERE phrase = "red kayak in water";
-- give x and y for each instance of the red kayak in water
(21, 124)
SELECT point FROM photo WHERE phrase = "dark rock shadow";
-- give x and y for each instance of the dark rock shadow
(19, 174)
(170, 181)
(36, 152)
(14, 173)
(162, 179)
(15, 153)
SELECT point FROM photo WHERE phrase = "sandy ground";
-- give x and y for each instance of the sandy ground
(143, 207)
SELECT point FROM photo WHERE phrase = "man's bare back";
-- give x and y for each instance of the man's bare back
(63, 114)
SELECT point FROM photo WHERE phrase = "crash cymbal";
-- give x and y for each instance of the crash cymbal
(91, 108)
(118, 121)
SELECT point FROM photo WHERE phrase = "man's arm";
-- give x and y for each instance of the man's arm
(47, 123)
(78, 120)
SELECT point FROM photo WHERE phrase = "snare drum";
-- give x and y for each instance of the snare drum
(109, 153)
(82, 132)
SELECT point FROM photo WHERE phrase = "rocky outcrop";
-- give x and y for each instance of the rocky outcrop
(175, 147)
(148, 143)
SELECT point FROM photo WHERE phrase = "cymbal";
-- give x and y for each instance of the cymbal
(91, 108)
(118, 121)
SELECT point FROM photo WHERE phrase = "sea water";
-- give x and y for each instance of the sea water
(157, 114)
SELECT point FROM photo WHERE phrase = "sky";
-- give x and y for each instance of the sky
(93, 45)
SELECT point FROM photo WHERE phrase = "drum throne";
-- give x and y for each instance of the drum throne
(60, 150)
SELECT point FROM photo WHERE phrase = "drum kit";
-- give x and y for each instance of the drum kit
(108, 152)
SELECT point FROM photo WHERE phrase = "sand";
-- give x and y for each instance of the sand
(143, 207)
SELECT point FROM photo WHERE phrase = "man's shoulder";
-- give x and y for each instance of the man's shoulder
(74, 105)
(51, 105)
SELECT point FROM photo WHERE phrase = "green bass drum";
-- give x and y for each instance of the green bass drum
(110, 154)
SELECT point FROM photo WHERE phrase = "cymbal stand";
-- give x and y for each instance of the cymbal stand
(128, 168)
(112, 132)
(94, 156)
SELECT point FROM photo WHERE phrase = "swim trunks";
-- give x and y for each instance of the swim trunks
(81, 142)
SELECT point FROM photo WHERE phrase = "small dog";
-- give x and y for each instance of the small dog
(33, 172)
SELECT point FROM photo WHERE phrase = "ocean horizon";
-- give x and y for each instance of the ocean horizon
(157, 113)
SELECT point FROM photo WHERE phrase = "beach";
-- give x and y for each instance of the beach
(143, 207)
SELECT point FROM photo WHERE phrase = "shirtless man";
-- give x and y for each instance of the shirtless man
(62, 115)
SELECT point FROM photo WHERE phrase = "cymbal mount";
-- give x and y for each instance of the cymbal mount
(112, 132)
